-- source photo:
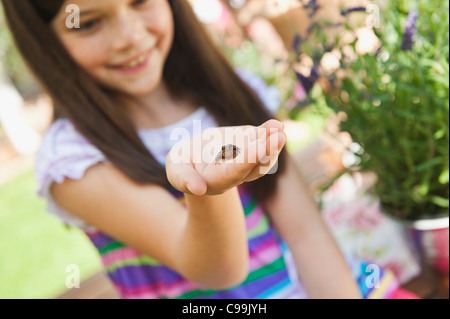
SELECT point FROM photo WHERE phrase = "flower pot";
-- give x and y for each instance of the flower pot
(431, 239)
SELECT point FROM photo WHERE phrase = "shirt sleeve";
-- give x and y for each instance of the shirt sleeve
(269, 95)
(63, 153)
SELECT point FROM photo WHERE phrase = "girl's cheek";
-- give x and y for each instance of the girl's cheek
(88, 54)
(159, 22)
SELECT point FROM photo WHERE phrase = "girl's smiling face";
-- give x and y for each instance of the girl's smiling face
(123, 44)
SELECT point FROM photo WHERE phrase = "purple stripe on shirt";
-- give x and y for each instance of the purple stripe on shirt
(245, 195)
(142, 275)
(256, 241)
(100, 239)
(175, 192)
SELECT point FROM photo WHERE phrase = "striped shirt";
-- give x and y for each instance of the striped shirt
(139, 276)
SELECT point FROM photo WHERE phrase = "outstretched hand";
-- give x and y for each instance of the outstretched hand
(224, 157)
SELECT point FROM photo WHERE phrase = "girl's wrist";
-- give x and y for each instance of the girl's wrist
(210, 204)
(210, 197)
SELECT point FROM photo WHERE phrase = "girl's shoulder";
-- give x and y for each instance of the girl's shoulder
(60, 143)
(61, 129)
(63, 153)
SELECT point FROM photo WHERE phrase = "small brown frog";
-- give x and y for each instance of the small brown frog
(229, 151)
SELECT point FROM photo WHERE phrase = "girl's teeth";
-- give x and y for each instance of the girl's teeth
(136, 62)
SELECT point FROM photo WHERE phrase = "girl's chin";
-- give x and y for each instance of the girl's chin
(134, 90)
(141, 87)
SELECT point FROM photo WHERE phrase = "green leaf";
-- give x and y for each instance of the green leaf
(412, 116)
(444, 64)
(440, 201)
(429, 164)
(443, 178)
(411, 143)
(422, 190)
(436, 66)
(407, 87)
(439, 134)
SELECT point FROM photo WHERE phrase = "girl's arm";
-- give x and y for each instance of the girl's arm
(321, 266)
(214, 241)
(205, 243)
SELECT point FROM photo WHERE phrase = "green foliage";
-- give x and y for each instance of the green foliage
(397, 105)
(36, 247)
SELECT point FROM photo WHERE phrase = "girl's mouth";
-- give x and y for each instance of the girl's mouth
(134, 66)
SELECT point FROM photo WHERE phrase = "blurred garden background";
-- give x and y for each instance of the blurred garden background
(338, 71)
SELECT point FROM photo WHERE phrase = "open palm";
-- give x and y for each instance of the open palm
(200, 166)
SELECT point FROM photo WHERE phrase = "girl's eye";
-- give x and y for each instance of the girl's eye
(140, 2)
(89, 25)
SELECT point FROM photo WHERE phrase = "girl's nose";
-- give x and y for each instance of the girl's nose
(128, 30)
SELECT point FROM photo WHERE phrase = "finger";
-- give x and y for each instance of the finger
(186, 179)
(265, 129)
(255, 152)
(264, 150)
(272, 126)
(278, 142)
(255, 173)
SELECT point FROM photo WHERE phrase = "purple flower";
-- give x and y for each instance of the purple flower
(313, 7)
(296, 43)
(308, 82)
(410, 31)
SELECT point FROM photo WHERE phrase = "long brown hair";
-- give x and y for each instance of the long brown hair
(195, 69)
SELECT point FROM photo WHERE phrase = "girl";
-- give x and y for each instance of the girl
(132, 73)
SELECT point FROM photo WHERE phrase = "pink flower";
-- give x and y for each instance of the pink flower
(366, 216)
(299, 92)
(333, 216)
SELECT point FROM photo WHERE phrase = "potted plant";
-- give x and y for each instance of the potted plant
(396, 106)
(389, 79)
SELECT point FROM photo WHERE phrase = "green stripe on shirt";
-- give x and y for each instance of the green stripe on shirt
(269, 269)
